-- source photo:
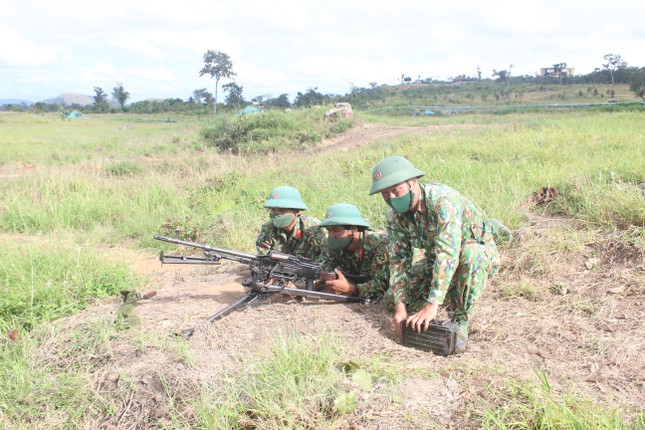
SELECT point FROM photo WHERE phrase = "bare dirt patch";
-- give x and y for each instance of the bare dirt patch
(366, 133)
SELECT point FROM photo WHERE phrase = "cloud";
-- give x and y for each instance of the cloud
(100, 74)
(153, 74)
(17, 51)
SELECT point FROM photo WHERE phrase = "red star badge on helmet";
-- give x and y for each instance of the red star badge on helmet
(329, 214)
(275, 196)
(378, 175)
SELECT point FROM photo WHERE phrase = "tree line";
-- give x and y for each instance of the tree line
(218, 66)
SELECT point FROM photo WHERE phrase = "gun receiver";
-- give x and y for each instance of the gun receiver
(275, 272)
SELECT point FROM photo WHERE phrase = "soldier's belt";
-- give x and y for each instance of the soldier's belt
(439, 339)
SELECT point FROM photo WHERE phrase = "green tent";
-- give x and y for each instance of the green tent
(249, 110)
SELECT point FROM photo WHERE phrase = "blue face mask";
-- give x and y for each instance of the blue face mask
(401, 204)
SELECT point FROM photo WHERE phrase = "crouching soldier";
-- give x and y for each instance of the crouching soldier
(460, 253)
(355, 250)
(289, 231)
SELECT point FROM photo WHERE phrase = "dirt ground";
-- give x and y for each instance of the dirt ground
(578, 317)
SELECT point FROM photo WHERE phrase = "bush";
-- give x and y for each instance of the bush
(272, 130)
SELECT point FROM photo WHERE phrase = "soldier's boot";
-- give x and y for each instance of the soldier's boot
(461, 341)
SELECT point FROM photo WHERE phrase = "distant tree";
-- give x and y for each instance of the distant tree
(407, 79)
(120, 95)
(373, 85)
(614, 62)
(100, 100)
(479, 73)
(234, 94)
(311, 98)
(502, 75)
(637, 83)
(202, 96)
(218, 65)
(282, 101)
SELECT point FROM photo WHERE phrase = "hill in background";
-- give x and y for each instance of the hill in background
(69, 99)
(15, 102)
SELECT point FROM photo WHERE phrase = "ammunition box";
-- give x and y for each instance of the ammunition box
(439, 339)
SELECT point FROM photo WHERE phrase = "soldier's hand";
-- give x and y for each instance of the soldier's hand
(340, 285)
(289, 284)
(421, 320)
(400, 314)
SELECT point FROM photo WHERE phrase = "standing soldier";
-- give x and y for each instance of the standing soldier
(460, 253)
(354, 249)
(289, 231)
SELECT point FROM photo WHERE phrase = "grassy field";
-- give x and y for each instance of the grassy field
(73, 192)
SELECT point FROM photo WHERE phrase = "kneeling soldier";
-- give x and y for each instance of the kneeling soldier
(460, 252)
(355, 250)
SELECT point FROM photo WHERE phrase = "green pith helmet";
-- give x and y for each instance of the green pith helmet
(343, 214)
(285, 197)
(391, 171)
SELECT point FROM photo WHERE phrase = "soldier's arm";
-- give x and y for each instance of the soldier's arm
(447, 246)
(379, 274)
(400, 252)
(264, 242)
(316, 244)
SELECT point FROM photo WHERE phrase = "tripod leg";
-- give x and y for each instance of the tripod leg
(247, 298)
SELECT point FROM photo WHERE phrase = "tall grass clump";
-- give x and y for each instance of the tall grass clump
(603, 199)
(291, 388)
(45, 283)
(533, 406)
(34, 395)
(272, 131)
(536, 406)
(99, 208)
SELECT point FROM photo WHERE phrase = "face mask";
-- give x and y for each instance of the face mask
(401, 204)
(338, 243)
(281, 221)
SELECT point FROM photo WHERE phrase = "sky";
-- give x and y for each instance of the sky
(155, 48)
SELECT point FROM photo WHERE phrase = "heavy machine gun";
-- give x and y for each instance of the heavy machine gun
(275, 272)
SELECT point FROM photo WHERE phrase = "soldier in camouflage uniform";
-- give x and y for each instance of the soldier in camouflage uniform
(460, 252)
(354, 249)
(289, 231)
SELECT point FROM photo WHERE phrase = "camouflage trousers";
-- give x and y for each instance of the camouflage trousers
(477, 262)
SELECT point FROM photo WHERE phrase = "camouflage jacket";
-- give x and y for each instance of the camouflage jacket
(451, 221)
(368, 259)
(306, 239)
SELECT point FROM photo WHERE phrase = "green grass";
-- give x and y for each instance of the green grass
(75, 187)
(46, 282)
(536, 406)
(499, 165)
(292, 387)
(36, 393)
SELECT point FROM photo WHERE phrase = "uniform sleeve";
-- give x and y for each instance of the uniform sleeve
(379, 274)
(400, 255)
(330, 261)
(265, 242)
(316, 245)
(447, 246)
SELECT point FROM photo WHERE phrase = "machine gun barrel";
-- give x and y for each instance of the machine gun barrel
(218, 252)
